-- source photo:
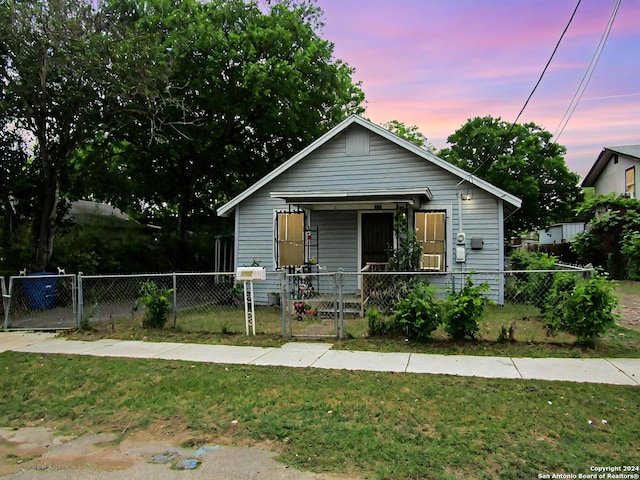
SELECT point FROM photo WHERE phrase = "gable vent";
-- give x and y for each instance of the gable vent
(357, 142)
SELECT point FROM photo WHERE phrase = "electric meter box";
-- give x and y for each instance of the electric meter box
(477, 243)
(250, 273)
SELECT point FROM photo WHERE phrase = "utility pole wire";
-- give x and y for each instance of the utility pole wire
(587, 75)
(513, 124)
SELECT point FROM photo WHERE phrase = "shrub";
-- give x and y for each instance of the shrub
(556, 298)
(610, 241)
(522, 260)
(464, 310)
(419, 313)
(631, 251)
(157, 304)
(589, 310)
(525, 287)
(376, 326)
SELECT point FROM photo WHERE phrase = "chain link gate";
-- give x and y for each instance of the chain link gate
(312, 305)
(45, 301)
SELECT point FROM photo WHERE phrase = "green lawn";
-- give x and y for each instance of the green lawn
(373, 425)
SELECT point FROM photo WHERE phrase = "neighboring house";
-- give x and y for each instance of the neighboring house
(113, 224)
(615, 171)
(560, 233)
(334, 203)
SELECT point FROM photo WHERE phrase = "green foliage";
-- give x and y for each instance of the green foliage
(376, 425)
(249, 100)
(522, 260)
(555, 300)
(44, 45)
(180, 105)
(531, 287)
(412, 133)
(419, 314)
(157, 303)
(588, 309)
(379, 326)
(226, 328)
(98, 250)
(376, 326)
(583, 307)
(631, 251)
(523, 160)
(611, 240)
(464, 310)
(406, 257)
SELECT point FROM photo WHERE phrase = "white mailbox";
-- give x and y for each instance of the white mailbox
(247, 275)
(250, 273)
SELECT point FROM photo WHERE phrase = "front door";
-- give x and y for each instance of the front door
(376, 237)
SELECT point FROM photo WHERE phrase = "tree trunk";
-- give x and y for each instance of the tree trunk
(50, 194)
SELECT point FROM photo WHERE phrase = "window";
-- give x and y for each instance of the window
(430, 232)
(290, 239)
(630, 182)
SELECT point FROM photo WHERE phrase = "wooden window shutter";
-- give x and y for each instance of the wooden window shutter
(290, 239)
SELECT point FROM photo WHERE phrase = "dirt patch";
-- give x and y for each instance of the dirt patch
(629, 310)
(40, 453)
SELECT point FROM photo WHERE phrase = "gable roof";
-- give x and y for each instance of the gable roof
(464, 176)
(632, 151)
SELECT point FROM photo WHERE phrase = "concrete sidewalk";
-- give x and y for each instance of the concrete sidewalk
(616, 371)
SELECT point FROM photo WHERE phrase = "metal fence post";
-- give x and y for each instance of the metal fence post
(339, 278)
(80, 301)
(283, 301)
(175, 301)
(6, 298)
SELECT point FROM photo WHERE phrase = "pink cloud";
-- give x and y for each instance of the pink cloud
(437, 63)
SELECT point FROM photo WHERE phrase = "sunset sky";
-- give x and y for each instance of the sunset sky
(438, 63)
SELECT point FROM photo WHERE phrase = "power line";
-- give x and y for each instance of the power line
(587, 74)
(513, 124)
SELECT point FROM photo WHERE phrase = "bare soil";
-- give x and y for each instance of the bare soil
(41, 453)
(629, 310)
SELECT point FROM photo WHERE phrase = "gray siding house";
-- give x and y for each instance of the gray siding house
(614, 171)
(333, 205)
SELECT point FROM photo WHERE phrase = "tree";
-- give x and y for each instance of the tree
(612, 239)
(522, 161)
(257, 86)
(19, 184)
(164, 108)
(412, 133)
(47, 61)
(61, 85)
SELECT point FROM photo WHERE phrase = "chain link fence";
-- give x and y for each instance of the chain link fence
(199, 301)
(288, 304)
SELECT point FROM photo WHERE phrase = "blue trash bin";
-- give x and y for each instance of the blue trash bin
(40, 293)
